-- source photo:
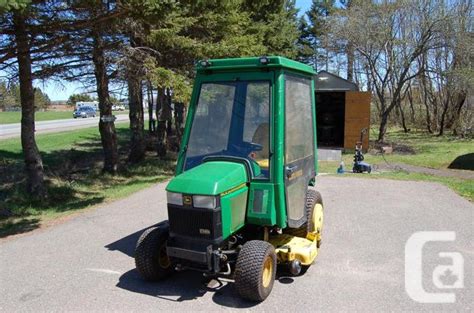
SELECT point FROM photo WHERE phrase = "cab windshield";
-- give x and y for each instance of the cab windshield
(231, 119)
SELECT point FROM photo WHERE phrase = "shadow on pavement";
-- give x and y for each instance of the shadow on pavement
(127, 244)
(184, 286)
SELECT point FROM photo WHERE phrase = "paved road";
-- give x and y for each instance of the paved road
(13, 130)
(86, 264)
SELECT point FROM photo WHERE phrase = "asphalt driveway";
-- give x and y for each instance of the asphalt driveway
(86, 264)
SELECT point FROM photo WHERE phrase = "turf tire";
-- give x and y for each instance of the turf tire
(147, 254)
(312, 198)
(249, 270)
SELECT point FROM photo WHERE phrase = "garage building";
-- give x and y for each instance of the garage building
(342, 111)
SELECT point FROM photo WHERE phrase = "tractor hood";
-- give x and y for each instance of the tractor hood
(209, 178)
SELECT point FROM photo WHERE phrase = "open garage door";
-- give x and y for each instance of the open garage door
(357, 117)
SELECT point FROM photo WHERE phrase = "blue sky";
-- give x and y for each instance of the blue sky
(62, 91)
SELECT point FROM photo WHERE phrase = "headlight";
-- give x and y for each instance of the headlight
(174, 198)
(204, 202)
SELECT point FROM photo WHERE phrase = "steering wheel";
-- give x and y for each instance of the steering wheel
(245, 148)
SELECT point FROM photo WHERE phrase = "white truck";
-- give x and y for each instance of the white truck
(92, 104)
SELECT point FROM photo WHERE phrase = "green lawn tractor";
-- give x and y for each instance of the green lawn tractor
(241, 204)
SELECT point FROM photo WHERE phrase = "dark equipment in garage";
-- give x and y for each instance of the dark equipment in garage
(342, 111)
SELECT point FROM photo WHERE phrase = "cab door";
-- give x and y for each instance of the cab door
(299, 146)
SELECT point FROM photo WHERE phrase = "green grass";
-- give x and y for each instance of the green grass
(420, 149)
(15, 117)
(463, 187)
(72, 162)
(429, 150)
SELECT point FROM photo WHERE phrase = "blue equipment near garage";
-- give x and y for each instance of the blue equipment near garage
(359, 165)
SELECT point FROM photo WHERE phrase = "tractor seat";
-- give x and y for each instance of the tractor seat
(261, 137)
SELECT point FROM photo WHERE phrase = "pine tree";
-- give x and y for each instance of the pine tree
(313, 33)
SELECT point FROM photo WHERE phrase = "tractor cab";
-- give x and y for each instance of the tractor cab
(241, 200)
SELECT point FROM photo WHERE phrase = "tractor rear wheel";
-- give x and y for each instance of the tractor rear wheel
(313, 197)
(255, 270)
(314, 223)
(151, 259)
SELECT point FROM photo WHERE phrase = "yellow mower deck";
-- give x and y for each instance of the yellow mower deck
(289, 248)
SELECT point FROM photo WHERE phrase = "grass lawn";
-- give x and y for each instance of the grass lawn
(15, 117)
(72, 162)
(429, 151)
(419, 149)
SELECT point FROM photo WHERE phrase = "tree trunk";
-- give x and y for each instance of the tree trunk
(460, 100)
(179, 120)
(402, 117)
(161, 123)
(443, 116)
(427, 107)
(33, 163)
(169, 114)
(412, 108)
(151, 103)
(383, 127)
(137, 140)
(135, 100)
(350, 62)
(106, 124)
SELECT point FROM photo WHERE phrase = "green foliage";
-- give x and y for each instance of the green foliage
(42, 100)
(165, 78)
(191, 31)
(79, 97)
(281, 30)
(10, 97)
(8, 5)
(312, 29)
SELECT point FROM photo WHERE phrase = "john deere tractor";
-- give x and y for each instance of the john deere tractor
(241, 203)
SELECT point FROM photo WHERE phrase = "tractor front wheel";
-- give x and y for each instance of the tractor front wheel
(151, 259)
(255, 270)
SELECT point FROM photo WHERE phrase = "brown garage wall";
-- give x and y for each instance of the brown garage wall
(357, 117)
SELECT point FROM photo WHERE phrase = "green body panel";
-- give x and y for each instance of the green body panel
(261, 204)
(278, 164)
(233, 207)
(209, 178)
(213, 178)
(313, 181)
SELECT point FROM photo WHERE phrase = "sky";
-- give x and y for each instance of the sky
(62, 90)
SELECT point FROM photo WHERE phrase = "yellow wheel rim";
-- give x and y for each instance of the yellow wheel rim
(267, 272)
(318, 218)
(163, 259)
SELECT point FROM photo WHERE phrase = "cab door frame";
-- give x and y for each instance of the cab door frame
(299, 166)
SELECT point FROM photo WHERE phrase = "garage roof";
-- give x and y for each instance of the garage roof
(326, 81)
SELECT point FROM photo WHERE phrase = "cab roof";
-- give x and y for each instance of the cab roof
(225, 65)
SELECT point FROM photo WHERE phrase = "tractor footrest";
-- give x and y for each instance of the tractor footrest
(289, 248)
